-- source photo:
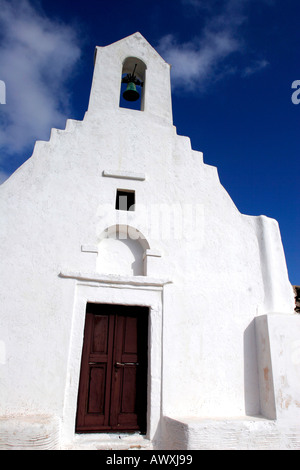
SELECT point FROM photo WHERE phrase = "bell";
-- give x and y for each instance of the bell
(131, 94)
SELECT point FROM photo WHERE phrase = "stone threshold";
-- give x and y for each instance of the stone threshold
(110, 441)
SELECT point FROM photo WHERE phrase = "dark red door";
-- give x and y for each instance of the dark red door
(113, 380)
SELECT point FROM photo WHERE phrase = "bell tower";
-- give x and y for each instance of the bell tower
(131, 62)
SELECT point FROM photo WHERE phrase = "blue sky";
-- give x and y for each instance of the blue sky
(233, 66)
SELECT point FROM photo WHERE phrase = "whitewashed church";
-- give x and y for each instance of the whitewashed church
(138, 307)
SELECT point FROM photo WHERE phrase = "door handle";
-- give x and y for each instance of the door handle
(122, 364)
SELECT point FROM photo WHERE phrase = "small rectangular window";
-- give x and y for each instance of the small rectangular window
(125, 200)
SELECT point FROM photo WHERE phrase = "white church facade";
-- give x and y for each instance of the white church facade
(139, 307)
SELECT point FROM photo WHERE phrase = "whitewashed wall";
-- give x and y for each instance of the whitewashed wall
(217, 269)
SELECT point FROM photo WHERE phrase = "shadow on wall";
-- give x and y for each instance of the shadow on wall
(251, 380)
(123, 257)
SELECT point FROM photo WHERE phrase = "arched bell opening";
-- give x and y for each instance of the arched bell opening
(133, 84)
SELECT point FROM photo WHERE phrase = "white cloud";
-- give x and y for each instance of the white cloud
(194, 62)
(255, 67)
(37, 56)
(207, 57)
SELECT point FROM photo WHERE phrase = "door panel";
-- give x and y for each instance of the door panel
(95, 376)
(96, 396)
(100, 335)
(113, 379)
(129, 391)
(123, 400)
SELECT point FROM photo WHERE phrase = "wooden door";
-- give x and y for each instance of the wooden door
(113, 380)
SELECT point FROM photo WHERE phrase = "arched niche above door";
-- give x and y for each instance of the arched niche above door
(121, 251)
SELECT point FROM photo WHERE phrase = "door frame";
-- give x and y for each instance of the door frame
(115, 319)
(122, 290)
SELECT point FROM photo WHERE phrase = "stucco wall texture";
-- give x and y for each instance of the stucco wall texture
(224, 342)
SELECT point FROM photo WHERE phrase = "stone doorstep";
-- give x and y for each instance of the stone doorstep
(41, 432)
(110, 442)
